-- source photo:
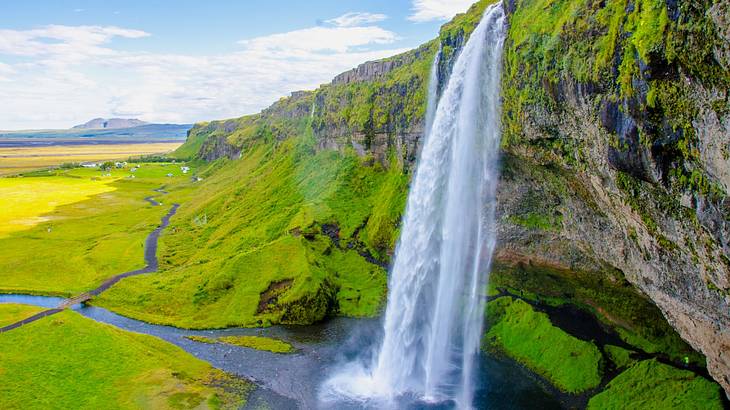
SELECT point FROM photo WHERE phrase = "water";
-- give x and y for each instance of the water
(433, 321)
(291, 381)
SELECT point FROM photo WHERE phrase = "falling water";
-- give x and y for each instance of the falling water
(433, 320)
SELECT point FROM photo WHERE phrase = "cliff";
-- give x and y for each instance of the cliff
(625, 105)
(615, 166)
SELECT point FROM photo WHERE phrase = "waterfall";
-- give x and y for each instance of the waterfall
(433, 320)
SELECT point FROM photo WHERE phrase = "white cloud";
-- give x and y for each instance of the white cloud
(429, 10)
(62, 75)
(336, 39)
(355, 19)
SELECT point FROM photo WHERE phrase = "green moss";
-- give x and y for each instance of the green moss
(623, 51)
(258, 343)
(607, 295)
(516, 329)
(534, 220)
(652, 385)
(619, 356)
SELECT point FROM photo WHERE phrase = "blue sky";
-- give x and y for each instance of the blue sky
(64, 62)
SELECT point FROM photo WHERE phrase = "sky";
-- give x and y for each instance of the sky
(63, 63)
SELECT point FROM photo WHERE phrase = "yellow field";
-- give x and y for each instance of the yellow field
(24, 200)
(21, 159)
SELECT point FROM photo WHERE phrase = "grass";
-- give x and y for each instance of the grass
(529, 337)
(88, 227)
(202, 339)
(284, 198)
(22, 159)
(253, 342)
(68, 361)
(258, 343)
(653, 385)
(13, 312)
(25, 200)
(619, 356)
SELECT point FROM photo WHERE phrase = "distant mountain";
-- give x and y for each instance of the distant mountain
(75, 136)
(110, 123)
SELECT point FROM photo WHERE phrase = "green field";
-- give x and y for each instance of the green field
(68, 361)
(12, 312)
(87, 225)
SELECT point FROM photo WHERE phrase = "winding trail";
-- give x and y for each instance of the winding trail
(151, 265)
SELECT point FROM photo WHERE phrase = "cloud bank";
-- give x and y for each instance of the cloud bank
(56, 76)
(430, 10)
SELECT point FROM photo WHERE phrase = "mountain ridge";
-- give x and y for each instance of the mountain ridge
(110, 123)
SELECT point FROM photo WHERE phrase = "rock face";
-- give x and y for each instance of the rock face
(110, 123)
(638, 127)
(616, 138)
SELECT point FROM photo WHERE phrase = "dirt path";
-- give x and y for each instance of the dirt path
(150, 258)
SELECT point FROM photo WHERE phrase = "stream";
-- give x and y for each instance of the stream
(291, 381)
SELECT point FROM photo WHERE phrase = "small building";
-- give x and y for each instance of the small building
(184, 169)
(169, 175)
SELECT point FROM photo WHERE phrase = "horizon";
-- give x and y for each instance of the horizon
(65, 63)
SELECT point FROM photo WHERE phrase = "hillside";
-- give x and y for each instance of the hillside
(612, 198)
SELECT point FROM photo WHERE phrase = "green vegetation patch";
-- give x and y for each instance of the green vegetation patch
(653, 385)
(529, 337)
(14, 312)
(619, 356)
(259, 343)
(607, 295)
(79, 363)
(254, 342)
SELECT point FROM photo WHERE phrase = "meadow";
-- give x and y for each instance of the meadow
(66, 231)
(69, 361)
(14, 160)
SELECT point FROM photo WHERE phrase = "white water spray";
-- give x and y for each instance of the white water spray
(433, 321)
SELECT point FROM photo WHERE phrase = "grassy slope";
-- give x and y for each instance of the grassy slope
(13, 312)
(68, 361)
(652, 385)
(528, 336)
(85, 242)
(258, 221)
